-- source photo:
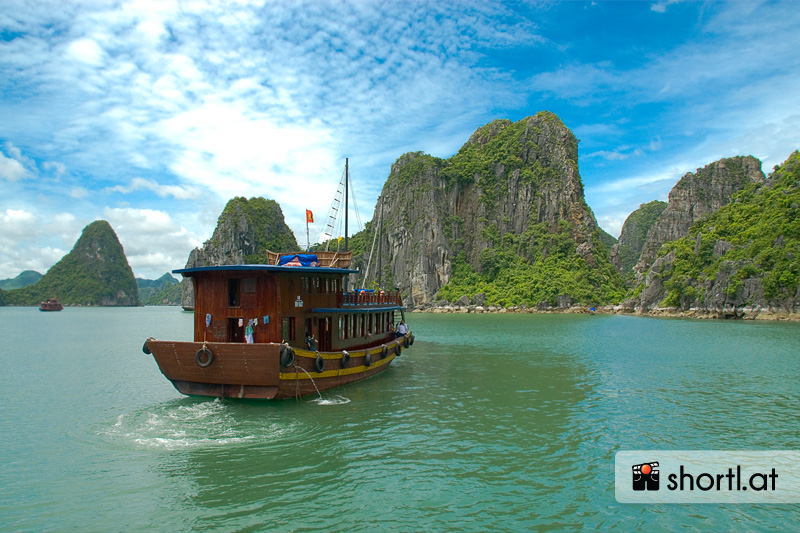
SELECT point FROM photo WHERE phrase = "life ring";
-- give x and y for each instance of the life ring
(411, 341)
(367, 359)
(319, 363)
(397, 349)
(345, 358)
(384, 351)
(199, 356)
(405, 342)
(145, 347)
(287, 355)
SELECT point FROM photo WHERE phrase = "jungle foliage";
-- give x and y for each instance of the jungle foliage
(95, 272)
(760, 226)
(635, 231)
(266, 218)
(168, 294)
(537, 266)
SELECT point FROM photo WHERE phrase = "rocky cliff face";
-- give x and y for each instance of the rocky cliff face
(513, 190)
(96, 272)
(245, 230)
(626, 252)
(693, 198)
(740, 260)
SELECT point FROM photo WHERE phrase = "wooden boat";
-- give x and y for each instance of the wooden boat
(250, 329)
(52, 304)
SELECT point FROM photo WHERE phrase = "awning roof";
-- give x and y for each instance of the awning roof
(266, 268)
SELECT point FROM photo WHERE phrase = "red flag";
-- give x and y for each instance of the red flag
(309, 216)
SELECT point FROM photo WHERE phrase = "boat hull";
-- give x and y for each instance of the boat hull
(241, 370)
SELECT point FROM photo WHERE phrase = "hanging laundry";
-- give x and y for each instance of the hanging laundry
(248, 333)
(208, 319)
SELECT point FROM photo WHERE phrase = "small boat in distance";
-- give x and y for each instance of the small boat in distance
(52, 304)
(282, 330)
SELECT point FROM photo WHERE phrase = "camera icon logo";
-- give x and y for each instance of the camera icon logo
(645, 476)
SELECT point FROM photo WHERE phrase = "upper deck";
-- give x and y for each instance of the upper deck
(283, 302)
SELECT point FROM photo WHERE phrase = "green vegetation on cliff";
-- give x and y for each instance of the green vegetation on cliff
(757, 236)
(267, 220)
(95, 272)
(168, 294)
(538, 266)
(149, 289)
(634, 235)
(504, 217)
(27, 277)
(500, 144)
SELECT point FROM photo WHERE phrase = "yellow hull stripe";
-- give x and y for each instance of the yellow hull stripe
(338, 371)
(338, 355)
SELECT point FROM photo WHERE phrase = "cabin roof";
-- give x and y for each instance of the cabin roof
(265, 268)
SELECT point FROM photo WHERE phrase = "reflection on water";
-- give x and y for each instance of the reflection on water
(489, 422)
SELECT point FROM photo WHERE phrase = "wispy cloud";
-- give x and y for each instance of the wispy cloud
(176, 191)
(176, 107)
(11, 169)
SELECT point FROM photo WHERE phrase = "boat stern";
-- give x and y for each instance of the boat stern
(223, 370)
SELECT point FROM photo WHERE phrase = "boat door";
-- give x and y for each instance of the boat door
(324, 328)
(235, 330)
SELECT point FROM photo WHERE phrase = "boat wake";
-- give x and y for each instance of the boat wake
(337, 400)
(178, 425)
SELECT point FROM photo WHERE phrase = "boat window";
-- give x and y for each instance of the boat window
(334, 286)
(304, 284)
(234, 290)
(341, 328)
(249, 285)
(314, 284)
(327, 285)
(248, 293)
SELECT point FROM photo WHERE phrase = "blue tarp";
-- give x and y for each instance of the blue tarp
(304, 259)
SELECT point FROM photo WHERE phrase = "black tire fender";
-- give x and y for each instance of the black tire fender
(287, 356)
(345, 358)
(367, 359)
(319, 363)
(411, 340)
(406, 342)
(384, 351)
(397, 349)
(198, 357)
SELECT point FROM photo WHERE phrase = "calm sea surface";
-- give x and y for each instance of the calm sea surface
(489, 422)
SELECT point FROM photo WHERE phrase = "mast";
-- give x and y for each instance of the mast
(380, 236)
(346, 209)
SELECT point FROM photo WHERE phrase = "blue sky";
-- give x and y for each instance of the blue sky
(152, 115)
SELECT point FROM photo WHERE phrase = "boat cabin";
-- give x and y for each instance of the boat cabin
(281, 302)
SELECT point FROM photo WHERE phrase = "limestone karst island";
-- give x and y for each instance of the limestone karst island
(503, 225)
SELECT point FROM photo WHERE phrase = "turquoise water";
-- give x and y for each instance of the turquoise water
(489, 422)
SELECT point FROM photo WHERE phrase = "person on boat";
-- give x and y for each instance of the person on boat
(311, 342)
(401, 330)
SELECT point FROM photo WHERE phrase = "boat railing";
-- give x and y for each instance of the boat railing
(368, 298)
(326, 259)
